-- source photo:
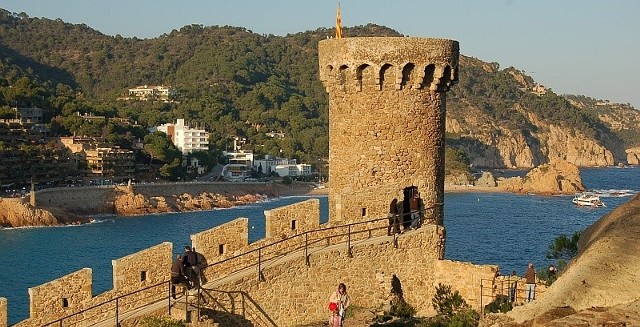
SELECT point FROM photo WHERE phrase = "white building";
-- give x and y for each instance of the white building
(293, 170)
(239, 166)
(268, 164)
(152, 92)
(185, 138)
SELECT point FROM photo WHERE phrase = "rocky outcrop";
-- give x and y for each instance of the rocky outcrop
(556, 177)
(599, 286)
(633, 156)
(15, 213)
(493, 145)
(139, 204)
(486, 180)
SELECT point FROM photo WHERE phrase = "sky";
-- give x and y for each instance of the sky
(588, 47)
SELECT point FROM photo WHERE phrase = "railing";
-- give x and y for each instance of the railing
(323, 237)
(508, 290)
(307, 240)
(80, 317)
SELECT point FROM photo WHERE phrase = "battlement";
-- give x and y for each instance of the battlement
(387, 63)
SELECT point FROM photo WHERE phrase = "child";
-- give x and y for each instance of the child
(334, 320)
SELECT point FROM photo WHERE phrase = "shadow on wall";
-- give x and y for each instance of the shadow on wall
(235, 308)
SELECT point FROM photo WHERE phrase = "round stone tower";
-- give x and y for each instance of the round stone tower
(387, 100)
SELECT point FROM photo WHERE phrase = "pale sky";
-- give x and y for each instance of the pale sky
(589, 47)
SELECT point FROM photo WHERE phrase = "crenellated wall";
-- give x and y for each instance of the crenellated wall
(141, 269)
(292, 219)
(61, 296)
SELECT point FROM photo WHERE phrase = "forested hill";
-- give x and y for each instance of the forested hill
(236, 82)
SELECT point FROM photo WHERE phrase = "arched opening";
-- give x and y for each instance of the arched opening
(446, 78)
(407, 75)
(329, 72)
(429, 72)
(387, 76)
(342, 74)
(365, 76)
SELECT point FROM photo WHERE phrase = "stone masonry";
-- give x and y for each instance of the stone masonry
(3, 312)
(292, 219)
(387, 103)
(143, 268)
(62, 296)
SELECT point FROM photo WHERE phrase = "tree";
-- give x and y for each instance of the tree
(564, 248)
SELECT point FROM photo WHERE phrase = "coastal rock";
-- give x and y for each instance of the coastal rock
(556, 177)
(633, 156)
(457, 178)
(486, 180)
(138, 204)
(15, 213)
(600, 284)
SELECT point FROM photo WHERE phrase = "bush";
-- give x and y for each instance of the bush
(452, 309)
(402, 309)
(162, 322)
(500, 304)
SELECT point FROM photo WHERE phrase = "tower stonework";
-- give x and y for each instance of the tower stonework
(387, 105)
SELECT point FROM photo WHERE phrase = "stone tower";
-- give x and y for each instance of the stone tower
(387, 101)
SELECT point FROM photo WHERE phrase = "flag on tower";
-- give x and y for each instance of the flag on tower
(338, 24)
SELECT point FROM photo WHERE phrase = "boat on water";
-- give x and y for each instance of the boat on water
(587, 199)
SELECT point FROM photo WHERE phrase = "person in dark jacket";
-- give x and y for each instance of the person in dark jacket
(177, 274)
(394, 218)
(190, 260)
(530, 286)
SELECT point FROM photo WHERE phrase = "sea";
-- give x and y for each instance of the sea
(503, 229)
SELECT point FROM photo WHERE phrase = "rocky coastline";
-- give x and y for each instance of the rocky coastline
(556, 177)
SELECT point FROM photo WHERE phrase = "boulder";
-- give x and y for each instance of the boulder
(556, 177)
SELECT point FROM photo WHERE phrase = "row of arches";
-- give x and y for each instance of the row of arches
(390, 77)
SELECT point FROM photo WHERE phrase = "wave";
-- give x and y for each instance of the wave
(90, 222)
(614, 193)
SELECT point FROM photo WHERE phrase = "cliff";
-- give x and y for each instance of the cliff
(497, 145)
(15, 213)
(556, 177)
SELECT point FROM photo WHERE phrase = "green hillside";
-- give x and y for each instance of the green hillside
(236, 83)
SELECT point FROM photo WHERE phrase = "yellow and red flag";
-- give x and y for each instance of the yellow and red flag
(338, 24)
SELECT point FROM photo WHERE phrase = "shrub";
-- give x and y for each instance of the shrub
(402, 309)
(500, 304)
(162, 322)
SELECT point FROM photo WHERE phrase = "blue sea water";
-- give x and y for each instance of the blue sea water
(486, 228)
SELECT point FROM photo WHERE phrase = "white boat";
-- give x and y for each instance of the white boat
(587, 199)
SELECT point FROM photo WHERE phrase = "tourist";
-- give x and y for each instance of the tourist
(177, 274)
(334, 319)
(341, 298)
(414, 206)
(394, 218)
(530, 286)
(513, 286)
(190, 261)
(552, 275)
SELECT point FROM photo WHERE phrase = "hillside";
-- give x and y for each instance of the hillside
(236, 82)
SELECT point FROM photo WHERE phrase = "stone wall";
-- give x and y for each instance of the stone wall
(99, 199)
(292, 219)
(294, 293)
(387, 103)
(220, 243)
(3, 312)
(61, 296)
(143, 268)
(465, 278)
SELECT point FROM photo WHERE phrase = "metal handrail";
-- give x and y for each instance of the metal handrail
(116, 299)
(305, 244)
